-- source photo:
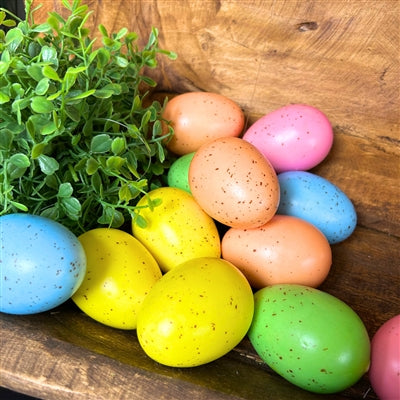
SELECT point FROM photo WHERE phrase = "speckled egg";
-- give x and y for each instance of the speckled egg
(285, 250)
(195, 313)
(42, 264)
(178, 174)
(309, 337)
(120, 272)
(199, 117)
(318, 201)
(234, 183)
(176, 228)
(293, 137)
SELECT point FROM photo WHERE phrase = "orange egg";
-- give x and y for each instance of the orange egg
(234, 183)
(199, 117)
(285, 250)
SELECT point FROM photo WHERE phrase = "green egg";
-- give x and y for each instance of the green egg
(309, 337)
(178, 173)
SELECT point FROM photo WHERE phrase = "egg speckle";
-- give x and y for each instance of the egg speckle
(234, 183)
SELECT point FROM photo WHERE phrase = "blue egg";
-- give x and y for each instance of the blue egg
(318, 201)
(42, 264)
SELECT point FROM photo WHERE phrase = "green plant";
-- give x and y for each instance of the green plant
(79, 142)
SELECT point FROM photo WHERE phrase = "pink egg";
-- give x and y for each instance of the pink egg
(384, 372)
(295, 137)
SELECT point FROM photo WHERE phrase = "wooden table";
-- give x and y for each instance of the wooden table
(340, 56)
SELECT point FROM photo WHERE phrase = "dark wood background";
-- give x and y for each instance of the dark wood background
(338, 55)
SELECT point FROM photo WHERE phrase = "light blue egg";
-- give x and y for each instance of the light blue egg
(42, 264)
(318, 201)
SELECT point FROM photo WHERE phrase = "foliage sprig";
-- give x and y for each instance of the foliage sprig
(79, 141)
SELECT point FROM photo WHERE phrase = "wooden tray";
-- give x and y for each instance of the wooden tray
(340, 56)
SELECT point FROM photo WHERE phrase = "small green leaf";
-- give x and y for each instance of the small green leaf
(115, 162)
(5, 56)
(48, 129)
(35, 72)
(51, 182)
(118, 145)
(45, 27)
(154, 203)
(37, 150)
(49, 55)
(51, 212)
(14, 172)
(72, 207)
(140, 221)
(65, 190)
(4, 98)
(91, 166)
(103, 93)
(73, 112)
(50, 73)
(81, 164)
(54, 95)
(145, 119)
(157, 129)
(121, 62)
(75, 139)
(47, 164)
(20, 160)
(17, 89)
(4, 67)
(14, 38)
(103, 30)
(80, 95)
(6, 139)
(101, 143)
(148, 81)
(53, 22)
(124, 194)
(70, 77)
(41, 105)
(121, 33)
(34, 49)
(19, 206)
(42, 86)
(103, 57)
(96, 183)
(111, 217)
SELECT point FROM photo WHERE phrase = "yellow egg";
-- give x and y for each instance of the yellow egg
(198, 117)
(234, 183)
(196, 313)
(120, 272)
(176, 230)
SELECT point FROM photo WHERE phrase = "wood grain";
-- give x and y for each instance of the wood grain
(338, 55)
